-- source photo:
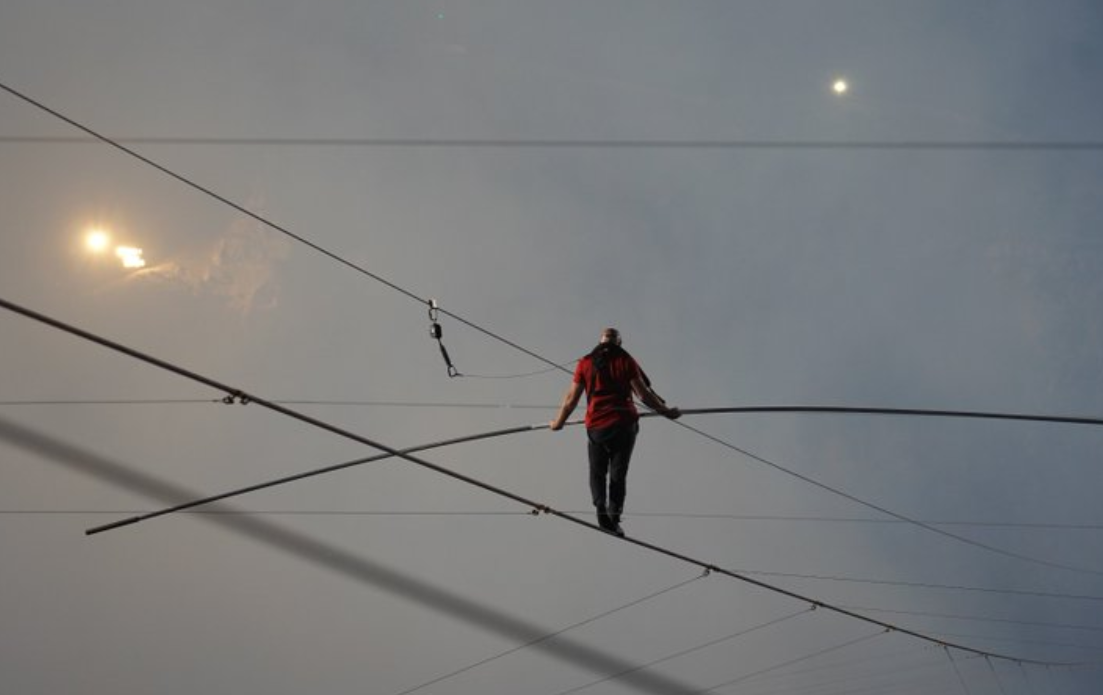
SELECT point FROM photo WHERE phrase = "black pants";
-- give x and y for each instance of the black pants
(610, 451)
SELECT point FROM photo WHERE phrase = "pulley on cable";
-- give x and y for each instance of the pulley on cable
(436, 332)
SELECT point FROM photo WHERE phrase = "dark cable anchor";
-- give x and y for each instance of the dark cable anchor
(436, 332)
(236, 396)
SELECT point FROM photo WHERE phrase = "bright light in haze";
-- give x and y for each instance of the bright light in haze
(840, 87)
(130, 256)
(97, 240)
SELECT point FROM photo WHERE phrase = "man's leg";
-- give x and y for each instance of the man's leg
(599, 469)
(621, 456)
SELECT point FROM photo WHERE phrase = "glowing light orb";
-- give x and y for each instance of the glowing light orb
(840, 87)
(130, 256)
(97, 240)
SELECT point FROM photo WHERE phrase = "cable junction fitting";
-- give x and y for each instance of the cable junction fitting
(435, 332)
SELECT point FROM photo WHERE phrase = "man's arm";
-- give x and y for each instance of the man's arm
(570, 400)
(653, 400)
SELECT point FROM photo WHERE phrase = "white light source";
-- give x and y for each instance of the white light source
(97, 240)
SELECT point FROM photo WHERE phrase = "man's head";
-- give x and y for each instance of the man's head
(610, 335)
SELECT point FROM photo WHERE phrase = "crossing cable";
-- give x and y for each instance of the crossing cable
(535, 506)
(741, 633)
(431, 304)
(551, 635)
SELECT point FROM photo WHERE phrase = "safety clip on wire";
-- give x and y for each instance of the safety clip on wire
(236, 397)
(435, 332)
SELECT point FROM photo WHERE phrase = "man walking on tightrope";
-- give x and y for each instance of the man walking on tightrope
(609, 376)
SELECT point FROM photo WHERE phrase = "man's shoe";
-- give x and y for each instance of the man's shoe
(615, 529)
(604, 520)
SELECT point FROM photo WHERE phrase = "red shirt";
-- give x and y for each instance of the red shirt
(608, 401)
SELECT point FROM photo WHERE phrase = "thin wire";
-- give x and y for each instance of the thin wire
(918, 680)
(995, 676)
(728, 410)
(675, 655)
(550, 635)
(778, 667)
(434, 307)
(535, 506)
(389, 404)
(760, 573)
(862, 520)
(900, 677)
(957, 671)
(514, 376)
(107, 401)
(888, 512)
(589, 143)
(655, 515)
(883, 662)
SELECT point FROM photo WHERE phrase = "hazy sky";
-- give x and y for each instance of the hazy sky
(765, 272)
